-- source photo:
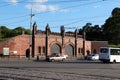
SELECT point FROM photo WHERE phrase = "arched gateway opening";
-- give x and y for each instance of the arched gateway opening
(69, 50)
(55, 48)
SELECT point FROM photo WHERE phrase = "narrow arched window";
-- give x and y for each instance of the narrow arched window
(39, 49)
(43, 49)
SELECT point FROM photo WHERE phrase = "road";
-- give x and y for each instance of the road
(18, 69)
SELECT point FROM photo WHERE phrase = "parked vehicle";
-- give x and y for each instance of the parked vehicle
(95, 57)
(92, 57)
(56, 57)
(109, 54)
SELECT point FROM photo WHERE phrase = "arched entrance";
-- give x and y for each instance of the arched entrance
(55, 48)
(69, 50)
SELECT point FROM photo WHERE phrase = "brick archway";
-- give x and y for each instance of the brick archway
(69, 50)
(55, 48)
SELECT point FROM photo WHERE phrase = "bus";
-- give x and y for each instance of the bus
(109, 54)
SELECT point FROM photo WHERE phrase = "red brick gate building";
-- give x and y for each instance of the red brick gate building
(47, 42)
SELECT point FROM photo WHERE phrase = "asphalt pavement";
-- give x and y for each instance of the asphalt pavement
(24, 69)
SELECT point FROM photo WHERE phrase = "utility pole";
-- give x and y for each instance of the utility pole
(31, 16)
(84, 38)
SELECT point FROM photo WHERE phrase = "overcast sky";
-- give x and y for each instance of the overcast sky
(70, 13)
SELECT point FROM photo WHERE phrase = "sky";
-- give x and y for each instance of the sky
(72, 14)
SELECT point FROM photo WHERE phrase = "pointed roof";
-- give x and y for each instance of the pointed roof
(47, 26)
(35, 24)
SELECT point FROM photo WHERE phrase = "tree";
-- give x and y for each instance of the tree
(92, 32)
(27, 31)
(6, 32)
(116, 12)
(17, 31)
(111, 27)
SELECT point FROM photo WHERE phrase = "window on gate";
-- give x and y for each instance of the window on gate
(43, 49)
(39, 49)
(79, 50)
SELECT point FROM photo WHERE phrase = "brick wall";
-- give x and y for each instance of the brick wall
(21, 44)
(17, 44)
(95, 45)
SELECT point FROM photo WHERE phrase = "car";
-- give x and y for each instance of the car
(56, 57)
(92, 57)
(95, 57)
(88, 57)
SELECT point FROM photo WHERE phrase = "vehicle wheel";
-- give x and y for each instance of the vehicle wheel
(114, 61)
(52, 60)
(93, 59)
(63, 59)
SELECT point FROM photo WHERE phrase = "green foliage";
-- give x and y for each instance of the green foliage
(0, 37)
(6, 32)
(111, 27)
(70, 32)
(113, 45)
(92, 32)
(110, 31)
(27, 31)
(116, 12)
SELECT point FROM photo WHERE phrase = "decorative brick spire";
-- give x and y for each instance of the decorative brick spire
(35, 28)
(62, 31)
(76, 33)
(48, 31)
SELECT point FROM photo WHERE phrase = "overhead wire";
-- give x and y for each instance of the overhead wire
(55, 2)
(59, 9)
(19, 21)
(79, 6)
(73, 6)
(5, 5)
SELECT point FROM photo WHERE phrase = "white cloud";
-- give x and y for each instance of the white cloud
(39, 6)
(97, 6)
(36, 7)
(12, 1)
(52, 8)
(64, 10)
(40, 1)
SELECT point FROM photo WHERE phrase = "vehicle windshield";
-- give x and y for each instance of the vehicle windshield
(103, 50)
